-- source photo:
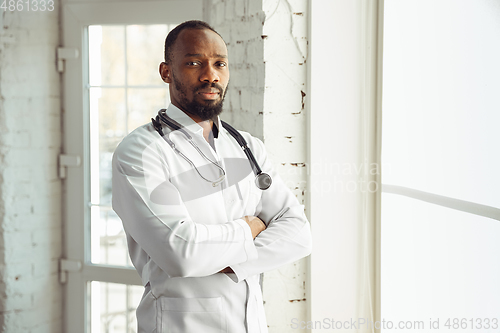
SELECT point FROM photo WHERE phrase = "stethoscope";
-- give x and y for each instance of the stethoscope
(262, 180)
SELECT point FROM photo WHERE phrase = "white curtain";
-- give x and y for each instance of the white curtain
(344, 163)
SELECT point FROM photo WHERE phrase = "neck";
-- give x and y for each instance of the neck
(207, 127)
(205, 124)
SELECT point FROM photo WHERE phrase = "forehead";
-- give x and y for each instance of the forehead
(202, 42)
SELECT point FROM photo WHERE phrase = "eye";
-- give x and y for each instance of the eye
(193, 63)
(221, 64)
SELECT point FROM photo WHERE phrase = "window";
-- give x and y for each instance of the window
(440, 207)
(110, 90)
(433, 120)
(124, 92)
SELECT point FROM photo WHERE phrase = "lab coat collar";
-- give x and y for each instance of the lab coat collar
(182, 118)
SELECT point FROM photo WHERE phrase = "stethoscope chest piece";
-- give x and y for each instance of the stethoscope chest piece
(263, 181)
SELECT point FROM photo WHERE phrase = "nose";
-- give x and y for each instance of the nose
(209, 74)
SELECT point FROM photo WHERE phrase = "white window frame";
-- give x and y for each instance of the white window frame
(76, 17)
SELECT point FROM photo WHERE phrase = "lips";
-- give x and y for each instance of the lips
(211, 93)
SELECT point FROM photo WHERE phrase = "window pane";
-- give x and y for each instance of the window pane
(113, 113)
(107, 55)
(438, 262)
(109, 243)
(113, 307)
(145, 44)
(144, 104)
(440, 103)
(108, 127)
(439, 135)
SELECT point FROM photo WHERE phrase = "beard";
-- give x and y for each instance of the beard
(204, 111)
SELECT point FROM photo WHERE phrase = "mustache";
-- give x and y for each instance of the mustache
(210, 85)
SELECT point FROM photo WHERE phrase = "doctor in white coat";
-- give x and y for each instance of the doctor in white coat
(199, 230)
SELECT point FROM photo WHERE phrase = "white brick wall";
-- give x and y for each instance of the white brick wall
(267, 44)
(241, 27)
(30, 203)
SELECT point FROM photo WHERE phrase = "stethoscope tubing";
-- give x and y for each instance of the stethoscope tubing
(262, 180)
(166, 137)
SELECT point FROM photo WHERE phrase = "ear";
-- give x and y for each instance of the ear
(165, 72)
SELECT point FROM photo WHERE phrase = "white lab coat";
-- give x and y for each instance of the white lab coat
(182, 231)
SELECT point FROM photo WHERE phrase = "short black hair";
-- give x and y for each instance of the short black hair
(172, 35)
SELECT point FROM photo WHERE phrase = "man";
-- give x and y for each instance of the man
(199, 230)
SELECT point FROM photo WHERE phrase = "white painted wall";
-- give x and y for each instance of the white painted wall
(30, 190)
(267, 44)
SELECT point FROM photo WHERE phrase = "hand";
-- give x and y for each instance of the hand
(256, 225)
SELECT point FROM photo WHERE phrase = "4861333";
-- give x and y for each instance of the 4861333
(27, 5)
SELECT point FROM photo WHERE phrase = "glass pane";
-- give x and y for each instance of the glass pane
(438, 263)
(109, 243)
(440, 103)
(113, 307)
(108, 127)
(145, 44)
(143, 104)
(107, 123)
(107, 55)
(114, 111)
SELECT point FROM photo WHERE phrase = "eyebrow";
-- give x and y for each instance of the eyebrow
(201, 55)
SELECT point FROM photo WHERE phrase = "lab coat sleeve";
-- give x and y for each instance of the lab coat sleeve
(287, 237)
(164, 230)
